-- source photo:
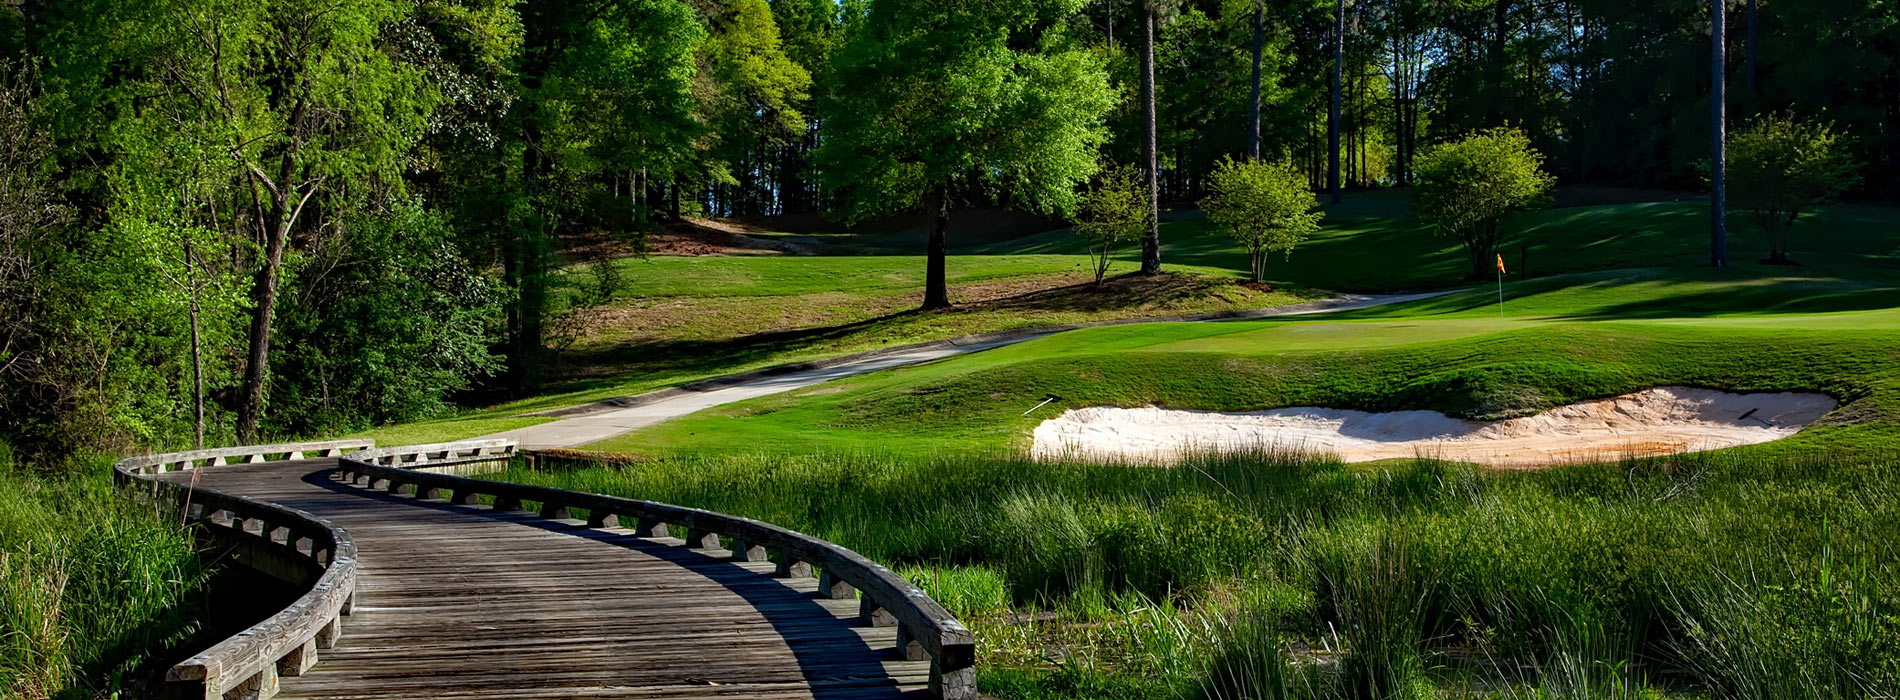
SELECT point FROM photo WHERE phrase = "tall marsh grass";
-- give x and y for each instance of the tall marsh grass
(91, 583)
(1734, 574)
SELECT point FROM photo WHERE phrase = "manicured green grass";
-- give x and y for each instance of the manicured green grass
(676, 320)
(1473, 367)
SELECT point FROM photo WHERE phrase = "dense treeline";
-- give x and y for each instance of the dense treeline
(225, 219)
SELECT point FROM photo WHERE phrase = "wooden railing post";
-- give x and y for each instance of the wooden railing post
(790, 567)
(701, 539)
(747, 551)
(598, 518)
(830, 586)
(649, 527)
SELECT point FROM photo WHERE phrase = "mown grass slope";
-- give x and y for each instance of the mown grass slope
(1483, 368)
(679, 319)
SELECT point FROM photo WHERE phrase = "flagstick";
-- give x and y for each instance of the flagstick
(1500, 291)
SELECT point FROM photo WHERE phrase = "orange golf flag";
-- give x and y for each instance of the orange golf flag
(1500, 263)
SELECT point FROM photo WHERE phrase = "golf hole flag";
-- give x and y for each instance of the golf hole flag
(1500, 285)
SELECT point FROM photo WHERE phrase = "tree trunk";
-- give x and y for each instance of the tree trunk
(197, 356)
(1253, 115)
(1718, 126)
(1481, 248)
(936, 288)
(263, 308)
(1151, 239)
(1332, 120)
(1497, 61)
(1752, 37)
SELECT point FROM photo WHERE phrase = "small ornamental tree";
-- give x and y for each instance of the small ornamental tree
(1265, 206)
(1113, 210)
(1467, 188)
(1780, 167)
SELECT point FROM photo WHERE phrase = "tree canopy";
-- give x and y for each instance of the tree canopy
(962, 98)
(1266, 206)
(1466, 188)
(1779, 167)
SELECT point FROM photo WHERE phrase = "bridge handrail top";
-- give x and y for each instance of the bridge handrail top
(436, 447)
(238, 658)
(243, 451)
(934, 627)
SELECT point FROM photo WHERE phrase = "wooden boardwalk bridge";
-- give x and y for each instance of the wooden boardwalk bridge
(425, 584)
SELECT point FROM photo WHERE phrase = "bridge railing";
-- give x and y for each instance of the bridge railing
(925, 630)
(249, 663)
(218, 457)
(451, 457)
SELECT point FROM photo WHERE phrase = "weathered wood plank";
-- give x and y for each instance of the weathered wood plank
(461, 601)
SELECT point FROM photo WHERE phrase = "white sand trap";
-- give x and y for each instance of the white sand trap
(1663, 420)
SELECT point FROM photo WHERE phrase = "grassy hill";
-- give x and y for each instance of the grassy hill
(1763, 571)
(679, 319)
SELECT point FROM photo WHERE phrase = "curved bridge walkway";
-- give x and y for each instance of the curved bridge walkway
(466, 602)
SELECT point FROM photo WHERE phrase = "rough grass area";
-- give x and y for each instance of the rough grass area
(1740, 574)
(92, 583)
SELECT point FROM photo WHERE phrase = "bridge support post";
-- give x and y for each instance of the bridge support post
(553, 511)
(299, 660)
(701, 539)
(908, 648)
(746, 551)
(790, 567)
(650, 528)
(874, 616)
(328, 634)
(953, 683)
(830, 586)
(262, 686)
(601, 519)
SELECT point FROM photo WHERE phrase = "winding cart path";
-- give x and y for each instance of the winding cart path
(467, 602)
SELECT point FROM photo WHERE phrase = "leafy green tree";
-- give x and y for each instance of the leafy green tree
(606, 86)
(295, 110)
(1779, 167)
(1266, 206)
(1467, 188)
(390, 324)
(1113, 211)
(951, 97)
(754, 100)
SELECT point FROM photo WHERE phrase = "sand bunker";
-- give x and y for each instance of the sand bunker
(1658, 421)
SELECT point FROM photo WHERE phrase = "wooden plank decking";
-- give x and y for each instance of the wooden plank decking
(458, 602)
